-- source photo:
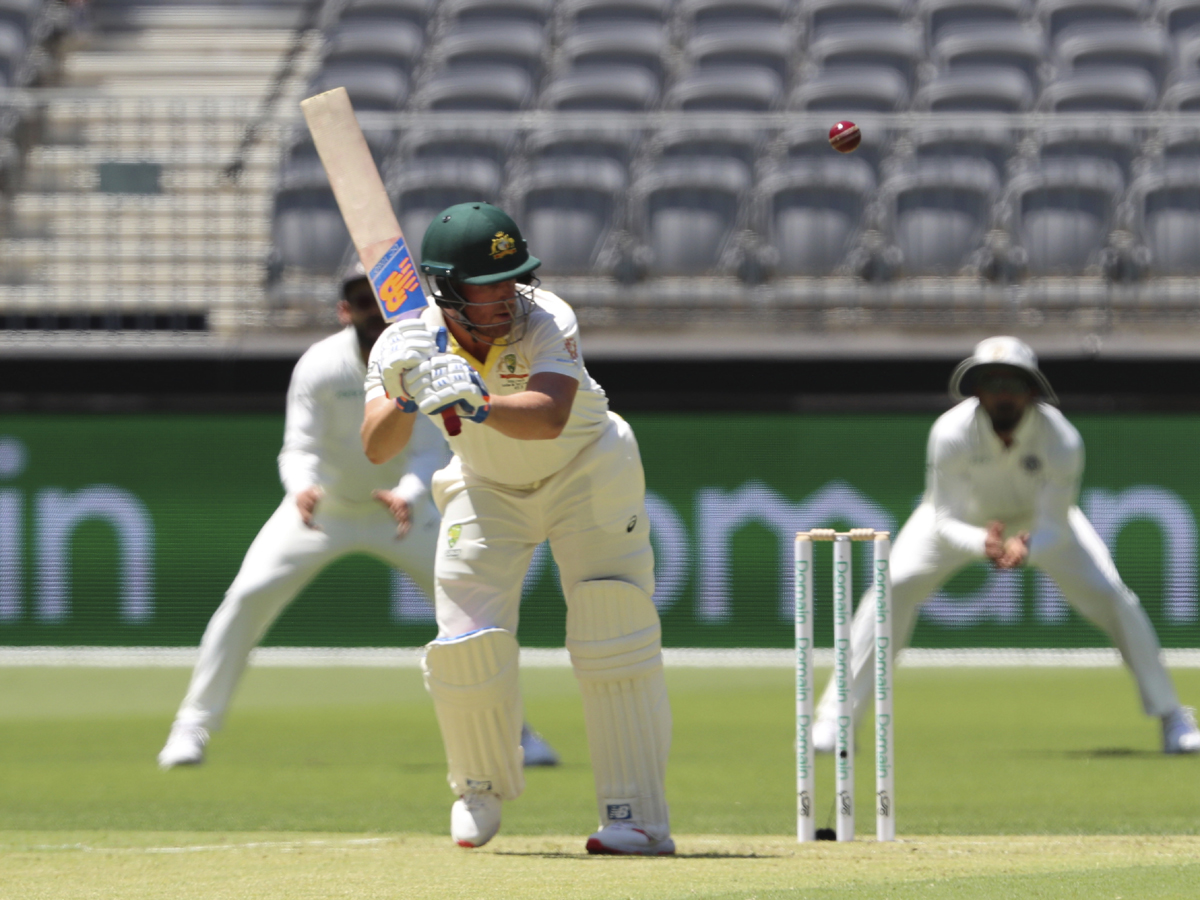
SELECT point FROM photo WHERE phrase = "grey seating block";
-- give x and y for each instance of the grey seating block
(983, 89)
(1062, 213)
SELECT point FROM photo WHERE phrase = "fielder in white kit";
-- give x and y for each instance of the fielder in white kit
(540, 457)
(1002, 481)
(337, 503)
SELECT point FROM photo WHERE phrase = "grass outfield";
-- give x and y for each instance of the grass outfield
(330, 782)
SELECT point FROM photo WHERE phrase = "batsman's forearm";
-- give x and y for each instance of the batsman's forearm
(385, 429)
(528, 416)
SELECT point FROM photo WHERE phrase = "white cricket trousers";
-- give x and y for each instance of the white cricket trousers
(284, 557)
(1081, 566)
(593, 512)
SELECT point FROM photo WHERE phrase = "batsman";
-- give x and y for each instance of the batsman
(540, 457)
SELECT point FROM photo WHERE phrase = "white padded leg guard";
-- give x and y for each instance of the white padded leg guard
(615, 641)
(473, 681)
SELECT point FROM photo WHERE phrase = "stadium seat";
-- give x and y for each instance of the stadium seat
(686, 210)
(372, 87)
(1180, 149)
(307, 231)
(13, 46)
(1117, 144)
(1146, 47)
(477, 89)
(1062, 212)
(745, 145)
(1060, 14)
(632, 44)
(983, 89)
(374, 42)
(821, 15)
(424, 187)
(1177, 16)
(568, 207)
(938, 213)
(414, 12)
(602, 89)
(1187, 50)
(999, 44)
(719, 15)
(758, 46)
(941, 14)
(726, 89)
(495, 145)
(1166, 212)
(517, 44)
(488, 12)
(851, 90)
(994, 145)
(23, 14)
(587, 13)
(876, 46)
(811, 211)
(617, 143)
(1101, 90)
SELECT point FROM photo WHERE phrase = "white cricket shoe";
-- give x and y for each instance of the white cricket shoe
(537, 751)
(475, 818)
(622, 839)
(184, 746)
(824, 736)
(1180, 734)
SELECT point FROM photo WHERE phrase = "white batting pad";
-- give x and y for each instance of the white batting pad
(615, 641)
(473, 682)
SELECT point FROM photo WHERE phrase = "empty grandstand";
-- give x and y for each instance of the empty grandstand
(1031, 165)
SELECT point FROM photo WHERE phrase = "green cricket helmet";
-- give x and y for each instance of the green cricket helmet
(475, 243)
(479, 244)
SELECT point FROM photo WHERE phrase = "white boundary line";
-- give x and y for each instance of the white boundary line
(674, 657)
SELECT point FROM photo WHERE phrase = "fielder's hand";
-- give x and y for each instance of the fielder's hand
(447, 380)
(306, 502)
(398, 507)
(405, 346)
(1005, 554)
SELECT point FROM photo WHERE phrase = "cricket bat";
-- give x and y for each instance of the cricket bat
(367, 212)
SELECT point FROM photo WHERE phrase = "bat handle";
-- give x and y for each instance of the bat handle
(449, 417)
(452, 422)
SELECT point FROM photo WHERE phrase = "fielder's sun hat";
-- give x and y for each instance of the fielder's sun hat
(1000, 351)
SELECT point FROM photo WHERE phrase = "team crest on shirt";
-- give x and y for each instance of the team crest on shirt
(509, 363)
(503, 245)
(572, 349)
(1031, 464)
(453, 533)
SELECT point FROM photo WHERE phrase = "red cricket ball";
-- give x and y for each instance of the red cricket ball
(844, 137)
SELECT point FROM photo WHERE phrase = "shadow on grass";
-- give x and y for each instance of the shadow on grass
(1097, 753)
(562, 854)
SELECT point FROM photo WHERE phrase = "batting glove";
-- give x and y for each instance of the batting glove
(404, 346)
(447, 380)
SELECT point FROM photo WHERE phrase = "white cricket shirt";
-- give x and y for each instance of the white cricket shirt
(972, 478)
(321, 442)
(551, 344)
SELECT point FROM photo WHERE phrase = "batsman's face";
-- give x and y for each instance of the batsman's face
(1004, 394)
(490, 307)
(358, 308)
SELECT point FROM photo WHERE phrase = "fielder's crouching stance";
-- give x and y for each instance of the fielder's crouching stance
(1002, 483)
(539, 457)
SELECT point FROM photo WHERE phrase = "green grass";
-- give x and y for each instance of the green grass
(313, 761)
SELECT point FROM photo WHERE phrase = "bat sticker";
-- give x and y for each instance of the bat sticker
(397, 284)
